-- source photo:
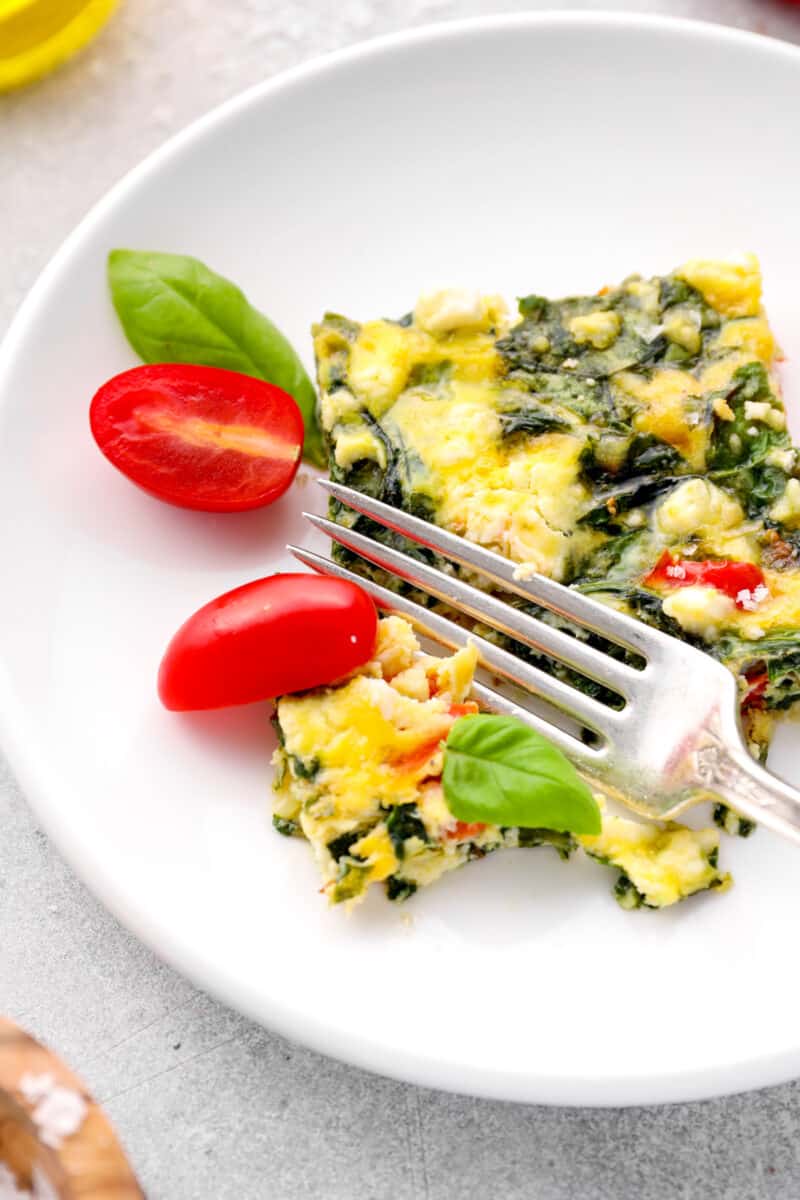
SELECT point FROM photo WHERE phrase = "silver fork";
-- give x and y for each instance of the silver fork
(675, 739)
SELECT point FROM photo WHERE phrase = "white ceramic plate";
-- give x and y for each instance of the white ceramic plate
(548, 153)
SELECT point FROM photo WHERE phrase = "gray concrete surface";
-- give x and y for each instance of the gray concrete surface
(210, 1106)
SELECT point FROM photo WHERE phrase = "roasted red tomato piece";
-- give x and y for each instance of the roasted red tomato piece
(462, 831)
(736, 579)
(199, 437)
(276, 635)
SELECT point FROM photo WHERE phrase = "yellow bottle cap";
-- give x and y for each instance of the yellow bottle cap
(37, 35)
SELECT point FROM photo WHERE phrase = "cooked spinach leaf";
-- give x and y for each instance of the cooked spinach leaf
(530, 420)
(562, 843)
(304, 768)
(614, 503)
(399, 889)
(340, 846)
(742, 441)
(285, 827)
(608, 460)
(402, 823)
(775, 657)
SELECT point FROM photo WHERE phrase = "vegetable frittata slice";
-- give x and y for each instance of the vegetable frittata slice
(631, 443)
(358, 773)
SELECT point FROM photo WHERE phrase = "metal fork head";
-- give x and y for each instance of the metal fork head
(645, 728)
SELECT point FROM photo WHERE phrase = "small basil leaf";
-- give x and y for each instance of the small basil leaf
(499, 771)
(174, 309)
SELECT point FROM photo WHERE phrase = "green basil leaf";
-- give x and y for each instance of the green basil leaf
(499, 771)
(173, 308)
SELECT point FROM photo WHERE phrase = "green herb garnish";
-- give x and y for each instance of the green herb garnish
(499, 771)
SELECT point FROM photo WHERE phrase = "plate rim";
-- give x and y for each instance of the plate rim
(41, 787)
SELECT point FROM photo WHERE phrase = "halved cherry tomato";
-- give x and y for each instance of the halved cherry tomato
(276, 635)
(726, 575)
(199, 437)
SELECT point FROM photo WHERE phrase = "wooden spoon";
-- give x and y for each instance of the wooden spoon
(87, 1164)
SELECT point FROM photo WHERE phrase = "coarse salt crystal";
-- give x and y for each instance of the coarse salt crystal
(676, 572)
(58, 1115)
(750, 600)
(59, 1110)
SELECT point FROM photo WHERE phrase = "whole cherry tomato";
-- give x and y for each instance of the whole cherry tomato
(276, 635)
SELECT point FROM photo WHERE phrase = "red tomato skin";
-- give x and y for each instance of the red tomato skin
(758, 682)
(726, 575)
(281, 634)
(181, 472)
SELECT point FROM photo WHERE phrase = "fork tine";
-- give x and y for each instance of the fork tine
(447, 633)
(587, 711)
(567, 602)
(484, 607)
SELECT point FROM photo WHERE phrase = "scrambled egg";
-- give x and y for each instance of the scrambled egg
(619, 442)
(589, 439)
(358, 773)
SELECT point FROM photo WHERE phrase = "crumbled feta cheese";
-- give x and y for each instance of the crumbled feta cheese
(756, 410)
(443, 310)
(762, 410)
(697, 503)
(570, 364)
(700, 610)
(784, 459)
(787, 509)
(59, 1110)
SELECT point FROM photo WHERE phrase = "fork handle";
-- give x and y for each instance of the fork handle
(731, 773)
